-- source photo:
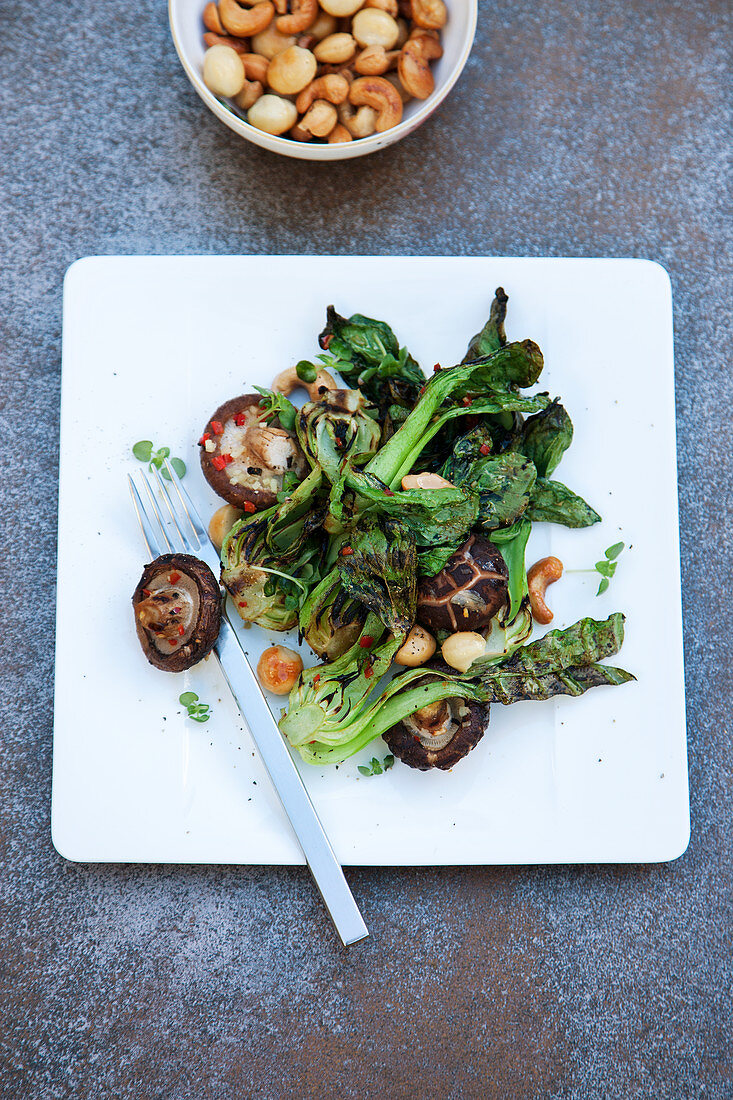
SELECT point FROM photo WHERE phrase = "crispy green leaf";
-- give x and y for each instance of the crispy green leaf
(545, 437)
(435, 516)
(553, 502)
(512, 543)
(492, 336)
(381, 573)
(432, 560)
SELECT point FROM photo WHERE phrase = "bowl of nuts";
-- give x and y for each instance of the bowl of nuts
(323, 79)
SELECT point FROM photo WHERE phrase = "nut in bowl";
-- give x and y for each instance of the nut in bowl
(323, 79)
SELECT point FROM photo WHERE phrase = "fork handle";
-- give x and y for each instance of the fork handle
(325, 868)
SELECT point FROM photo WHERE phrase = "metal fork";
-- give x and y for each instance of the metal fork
(182, 530)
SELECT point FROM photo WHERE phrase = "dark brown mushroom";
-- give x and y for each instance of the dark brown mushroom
(468, 592)
(245, 460)
(177, 607)
(440, 734)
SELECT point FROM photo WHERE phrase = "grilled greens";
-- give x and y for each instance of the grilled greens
(344, 552)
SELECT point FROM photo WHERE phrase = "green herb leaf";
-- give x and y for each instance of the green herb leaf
(606, 568)
(376, 766)
(143, 450)
(188, 697)
(178, 465)
(603, 586)
(200, 717)
(615, 550)
(388, 762)
(363, 770)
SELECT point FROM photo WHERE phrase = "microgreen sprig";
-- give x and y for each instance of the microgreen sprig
(143, 451)
(199, 712)
(607, 566)
(375, 767)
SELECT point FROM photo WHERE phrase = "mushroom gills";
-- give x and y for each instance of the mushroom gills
(435, 726)
(168, 608)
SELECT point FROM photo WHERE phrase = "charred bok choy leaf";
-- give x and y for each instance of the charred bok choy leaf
(380, 571)
(334, 710)
(337, 426)
(367, 355)
(492, 336)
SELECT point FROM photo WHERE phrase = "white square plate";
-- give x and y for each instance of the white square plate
(152, 345)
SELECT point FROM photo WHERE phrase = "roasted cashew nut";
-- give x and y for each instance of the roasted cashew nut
(375, 60)
(361, 123)
(430, 14)
(426, 481)
(255, 67)
(244, 23)
(414, 65)
(238, 44)
(545, 571)
(339, 134)
(212, 22)
(304, 16)
(378, 93)
(333, 88)
(320, 119)
(287, 381)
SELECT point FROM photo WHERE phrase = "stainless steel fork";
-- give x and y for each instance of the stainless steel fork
(178, 528)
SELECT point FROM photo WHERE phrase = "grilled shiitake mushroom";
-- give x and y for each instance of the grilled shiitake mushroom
(440, 734)
(177, 606)
(468, 592)
(244, 459)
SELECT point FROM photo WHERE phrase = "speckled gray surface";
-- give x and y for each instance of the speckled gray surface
(578, 129)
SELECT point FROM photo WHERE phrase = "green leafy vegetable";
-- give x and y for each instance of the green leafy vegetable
(381, 572)
(492, 335)
(553, 502)
(199, 712)
(329, 432)
(512, 543)
(368, 356)
(334, 710)
(545, 437)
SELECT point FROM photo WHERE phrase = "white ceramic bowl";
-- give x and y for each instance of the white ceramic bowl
(187, 30)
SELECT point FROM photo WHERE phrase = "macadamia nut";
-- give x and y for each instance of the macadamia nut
(272, 114)
(462, 649)
(223, 71)
(290, 71)
(372, 27)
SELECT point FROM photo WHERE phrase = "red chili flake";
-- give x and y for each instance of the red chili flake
(422, 389)
(240, 420)
(467, 401)
(366, 641)
(338, 443)
(242, 603)
(173, 641)
(181, 629)
(485, 449)
(217, 427)
(368, 671)
(174, 578)
(346, 552)
(204, 438)
(146, 591)
(437, 368)
(176, 611)
(325, 342)
(249, 506)
(220, 461)
(388, 493)
(316, 678)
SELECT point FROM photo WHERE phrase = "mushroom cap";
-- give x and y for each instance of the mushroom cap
(471, 720)
(467, 592)
(263, 487)
(196, 593)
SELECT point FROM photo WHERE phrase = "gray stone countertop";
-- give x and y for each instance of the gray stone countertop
(580, 129)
